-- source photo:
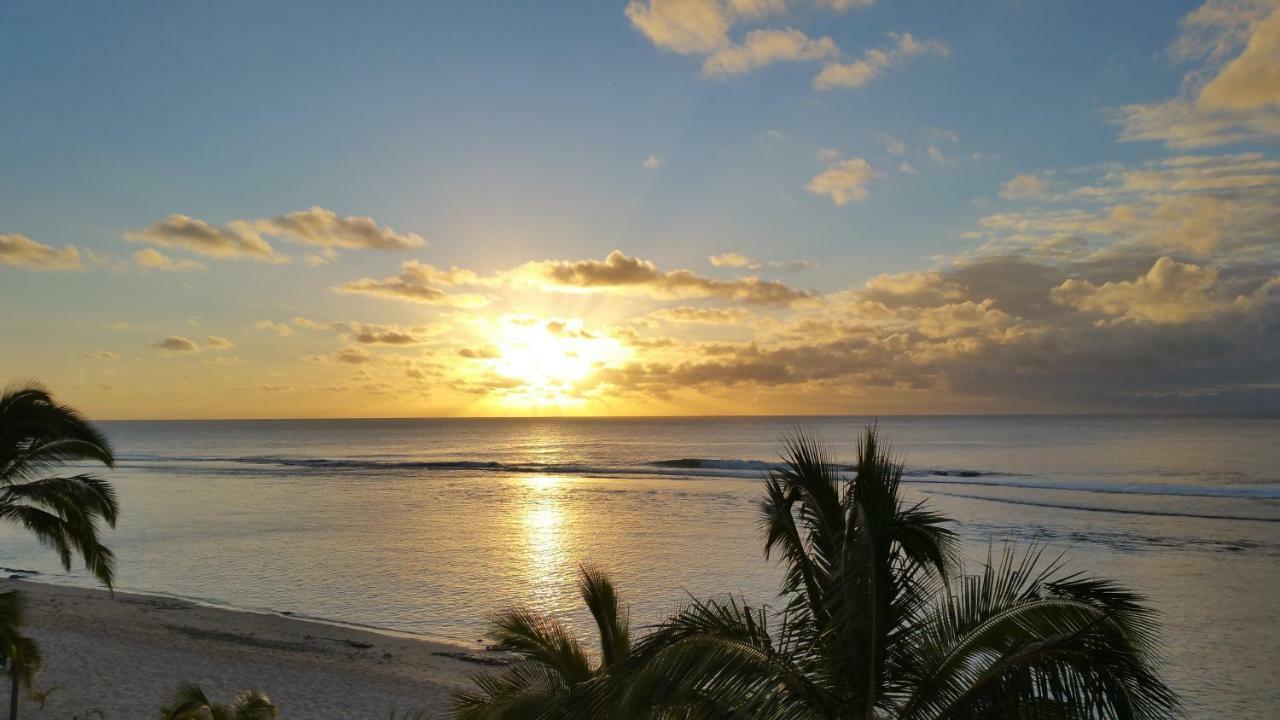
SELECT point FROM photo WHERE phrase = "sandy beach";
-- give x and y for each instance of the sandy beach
(124, 654)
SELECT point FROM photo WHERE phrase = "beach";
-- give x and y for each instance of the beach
(124, 654)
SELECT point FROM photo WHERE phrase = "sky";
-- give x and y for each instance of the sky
(651, 207)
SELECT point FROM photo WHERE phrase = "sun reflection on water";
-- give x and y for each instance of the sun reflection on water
(545, 563)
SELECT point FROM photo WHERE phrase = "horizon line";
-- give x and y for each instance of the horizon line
(716, 416)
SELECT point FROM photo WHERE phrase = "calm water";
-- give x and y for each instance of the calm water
(426, 525)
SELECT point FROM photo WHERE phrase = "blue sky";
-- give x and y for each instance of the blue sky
(506, 133)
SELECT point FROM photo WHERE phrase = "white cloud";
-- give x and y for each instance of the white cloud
(743, 262)
(1234, 96)
(421, 283)
(703, 27)
(828, 155)
(682, 26)
(325, 228)
(940, 158)
(893, 145)
(175, 343)
(843, 182)
(733, 260)
(217, 342)
(1025, 186)
(235, 240)
(316, 227)
(653, 162)
(707, 316)
(877, 60)
(622, 273)
(353, 355)
(1171, 292)
(278, 329)
(152, 259)
(765, 47)
(21, 251)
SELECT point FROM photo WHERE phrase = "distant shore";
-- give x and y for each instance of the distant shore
(125, 654)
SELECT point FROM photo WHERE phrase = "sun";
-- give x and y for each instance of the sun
(549, 358)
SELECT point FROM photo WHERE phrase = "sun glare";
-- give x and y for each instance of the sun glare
(550, 359)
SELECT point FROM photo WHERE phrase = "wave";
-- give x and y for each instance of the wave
(694, 468)
(1121, 511)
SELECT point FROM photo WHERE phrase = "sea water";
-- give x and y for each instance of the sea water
(428, 526)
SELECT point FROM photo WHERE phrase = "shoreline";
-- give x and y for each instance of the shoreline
(36, 577)
(125, 654)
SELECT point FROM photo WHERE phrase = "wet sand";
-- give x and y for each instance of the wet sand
(125, 654)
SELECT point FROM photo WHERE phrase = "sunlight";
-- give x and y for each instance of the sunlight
(544, 562)
(549, 358)
(544, 482)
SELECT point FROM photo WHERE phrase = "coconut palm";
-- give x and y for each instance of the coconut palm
(553, 677)
(190, 703)
(37, 436)
(877, 624)
(24, 654)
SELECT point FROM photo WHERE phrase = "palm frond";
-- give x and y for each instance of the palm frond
(37, 434)
(612, 622)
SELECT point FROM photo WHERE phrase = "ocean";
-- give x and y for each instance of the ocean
(427, 526)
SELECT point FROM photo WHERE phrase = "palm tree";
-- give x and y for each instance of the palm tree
(877, 625)
(23, 652)
(553, 677)
(37, 436)
(190, 703)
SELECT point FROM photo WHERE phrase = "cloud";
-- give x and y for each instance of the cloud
(353, 356)
(765, 47)
(420, 283)
(1234, 96)
(733, 260)
(621, 273)
(175, 343)
(653, 162)
(484, 352)
(703, 27)
(912, 288)
(1024, 186)
(682, 26)
(1171, 292)
(893, 145)
(844, 182)
(907, 168)
(1252, 80)
(21, 251)
(701, 316)
(1220, 207)
(940, 158)
(118, 325)
(315, 227)
(151, 259)
(100, 355)
(217, 342)
(875, 62)
(377, 334)
(325, 228)
(739, 261)
(237, 239)
(278, 329)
